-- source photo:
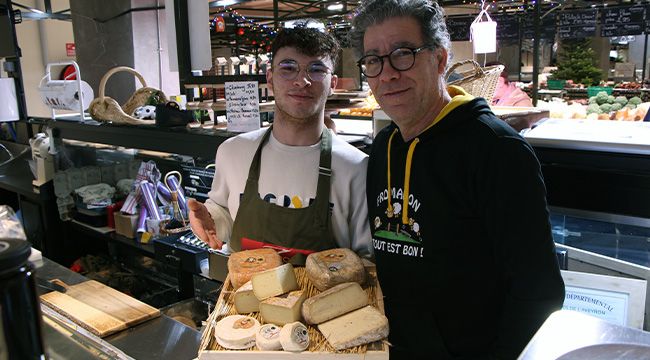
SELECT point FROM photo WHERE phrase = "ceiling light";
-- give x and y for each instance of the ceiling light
(335, 7)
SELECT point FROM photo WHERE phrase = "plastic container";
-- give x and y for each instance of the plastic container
(555, 84)
(20, 330)
(594, 90)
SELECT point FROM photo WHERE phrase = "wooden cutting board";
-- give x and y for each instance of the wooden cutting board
(98, 308)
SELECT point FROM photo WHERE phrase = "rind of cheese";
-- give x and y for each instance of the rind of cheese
(355, 328)
(236, 332)
(268, 337)
(334, 302)
(245, 300)
(283, 309)
(243, 264)
(274, 282)
(294, 337)
(334, 266)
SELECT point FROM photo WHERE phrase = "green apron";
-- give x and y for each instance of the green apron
(294, 233)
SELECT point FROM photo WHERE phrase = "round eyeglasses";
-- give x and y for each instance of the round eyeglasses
(401, 59)
(289, 70)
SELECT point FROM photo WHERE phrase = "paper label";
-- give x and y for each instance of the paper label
(607, 305)
(242, 106)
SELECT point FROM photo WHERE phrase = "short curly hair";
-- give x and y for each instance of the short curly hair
(428, 14)
(308, 41)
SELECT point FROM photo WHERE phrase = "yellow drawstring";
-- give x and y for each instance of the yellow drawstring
(407, 181)
(390, 198)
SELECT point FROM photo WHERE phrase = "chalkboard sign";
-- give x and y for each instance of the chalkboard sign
(458, 27)
(577, 24)
(507, 27)
(647, 19)
(619, 21)
(547, 27)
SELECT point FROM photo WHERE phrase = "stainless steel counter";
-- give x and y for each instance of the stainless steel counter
(159, 338)
(571, 335)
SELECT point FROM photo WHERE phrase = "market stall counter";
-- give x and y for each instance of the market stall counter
(158, 338)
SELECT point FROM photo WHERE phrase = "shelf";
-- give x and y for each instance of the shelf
(178, 140)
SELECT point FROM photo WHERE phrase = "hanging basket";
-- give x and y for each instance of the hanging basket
(105, 108)
(480, 82)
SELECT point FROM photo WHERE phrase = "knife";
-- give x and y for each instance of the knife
(50, 285)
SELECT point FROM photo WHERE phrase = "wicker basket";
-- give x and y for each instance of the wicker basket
(480, 82)
(104, 108)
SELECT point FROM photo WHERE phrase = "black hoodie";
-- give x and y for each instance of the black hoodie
(467, 263)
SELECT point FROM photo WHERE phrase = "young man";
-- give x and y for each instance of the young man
(456, 200)
(293, 187)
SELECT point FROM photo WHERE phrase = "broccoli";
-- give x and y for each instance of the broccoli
(635, 101)
(593, 100)
(611, 99)
(621, 100)
(593, 108)
(630, 105)
(617, 106)
(606, 108)
(602, 97)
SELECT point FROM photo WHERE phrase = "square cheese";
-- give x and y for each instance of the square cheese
(283, 309)
(274, 282)
(245, 300)
(334, 302)
(243, 264)
(359, 327)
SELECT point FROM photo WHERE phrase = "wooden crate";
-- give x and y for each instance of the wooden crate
(319, 348)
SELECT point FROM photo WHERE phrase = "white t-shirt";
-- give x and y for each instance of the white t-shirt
(288, 177)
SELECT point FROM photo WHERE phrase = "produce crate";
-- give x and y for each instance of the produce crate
(319, 348)
(594, 90)
(555, 84)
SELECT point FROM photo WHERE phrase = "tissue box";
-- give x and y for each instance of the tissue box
(125, 224)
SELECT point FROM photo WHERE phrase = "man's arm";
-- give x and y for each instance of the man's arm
(517, 219)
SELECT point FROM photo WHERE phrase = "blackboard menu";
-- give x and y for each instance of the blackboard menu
(577, 24)
(507, 27)
(546, 27)
(619, 21)
(458, 27)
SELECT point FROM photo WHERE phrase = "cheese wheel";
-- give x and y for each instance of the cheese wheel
(243, 264)
(334, 302)
(294, 337)
(334, 266)
(268, 337)
(236, 332)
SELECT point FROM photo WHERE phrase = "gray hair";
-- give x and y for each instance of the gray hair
(428, 14)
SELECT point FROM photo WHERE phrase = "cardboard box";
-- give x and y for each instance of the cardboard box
(125, 224)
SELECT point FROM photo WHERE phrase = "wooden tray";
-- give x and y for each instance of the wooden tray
(319, 348)
(98, 308)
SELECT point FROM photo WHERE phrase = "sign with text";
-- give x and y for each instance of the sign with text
(70, 49)
(242, 106)
(577, 24)
(546, 27)
(606, 305)
(458, 27)
(507, 27)
(628, 20)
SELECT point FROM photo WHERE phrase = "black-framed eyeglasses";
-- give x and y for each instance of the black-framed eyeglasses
(289, 70)
(401, 59)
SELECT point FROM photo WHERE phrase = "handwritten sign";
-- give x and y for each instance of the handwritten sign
(507, 27)
(458, 27)
(621, 21)
(546, 28)
(577, 24)
(242, 106)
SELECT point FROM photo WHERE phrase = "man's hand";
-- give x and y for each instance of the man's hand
(202, 224)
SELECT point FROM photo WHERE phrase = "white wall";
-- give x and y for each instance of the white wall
(57, 34)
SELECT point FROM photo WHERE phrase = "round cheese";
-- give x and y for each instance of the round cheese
(243, 264)
(236, 332)
(294, 337)
(328, 268)
(268, 337)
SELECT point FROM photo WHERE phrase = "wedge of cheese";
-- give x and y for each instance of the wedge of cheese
(243, 264)
(245, 300)
(359, 327)
(274, 282)
(339, 300)
(294, 337)
(283, 309)
(236, 332)
(335, 266)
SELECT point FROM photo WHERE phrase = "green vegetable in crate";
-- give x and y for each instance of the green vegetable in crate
(617, 106)
(611, 99)
(594, 100)
(606, 108)
(594, 109)
(630, 105)
(635, 101)
(621, 100)
(602, 97)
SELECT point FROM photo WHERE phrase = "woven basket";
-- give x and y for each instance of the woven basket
(104, 108)
(480, 82)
